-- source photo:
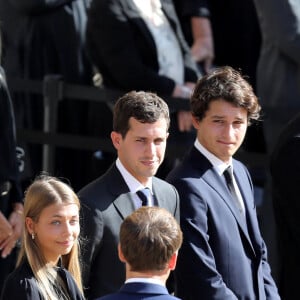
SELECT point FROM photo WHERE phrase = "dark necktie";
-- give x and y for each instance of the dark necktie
(145, 196)
(229, 180)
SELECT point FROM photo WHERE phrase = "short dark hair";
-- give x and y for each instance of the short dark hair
(149, 237)
(145, 107)
(227, 84)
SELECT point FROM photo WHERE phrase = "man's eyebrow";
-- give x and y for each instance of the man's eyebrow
(217, 117)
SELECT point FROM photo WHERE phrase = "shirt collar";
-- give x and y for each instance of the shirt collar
(145, 280)
(133, 184)
(218, 164)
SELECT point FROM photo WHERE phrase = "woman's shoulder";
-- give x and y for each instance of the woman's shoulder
(21, 272)
(20, 282)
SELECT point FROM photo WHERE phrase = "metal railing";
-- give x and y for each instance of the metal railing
(53, 89)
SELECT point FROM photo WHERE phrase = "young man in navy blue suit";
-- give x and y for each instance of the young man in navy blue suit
(149, 241)
(223, 255)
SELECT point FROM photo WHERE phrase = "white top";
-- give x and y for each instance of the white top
(169, 53)
(220, 167)
(145, 280)
(133, 184)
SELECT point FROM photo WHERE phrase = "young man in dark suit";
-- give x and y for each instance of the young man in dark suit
(149, 242)
(140, 132)
(223, 254)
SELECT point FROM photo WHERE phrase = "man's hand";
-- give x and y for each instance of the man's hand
(5, 229)
(202, 49)
(184, 119)
(15, 221)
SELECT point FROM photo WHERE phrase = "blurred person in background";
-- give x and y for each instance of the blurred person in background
(139, 45)
(11, 205)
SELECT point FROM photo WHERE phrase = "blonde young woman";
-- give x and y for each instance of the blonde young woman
(48, 265)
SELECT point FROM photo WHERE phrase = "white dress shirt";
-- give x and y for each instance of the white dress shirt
(220, 167)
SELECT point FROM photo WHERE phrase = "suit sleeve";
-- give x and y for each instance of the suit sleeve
(193, 8)
(91, 237)
(34, 7)
(196, 249)
(21, 289)
(268, 281)
(269, 284)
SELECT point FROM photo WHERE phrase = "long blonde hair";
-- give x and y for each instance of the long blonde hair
(43, 192)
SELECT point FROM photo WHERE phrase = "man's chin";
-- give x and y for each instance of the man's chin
(151, 172)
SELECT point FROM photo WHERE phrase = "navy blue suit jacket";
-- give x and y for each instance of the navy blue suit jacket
(140, 290)
(223, 254)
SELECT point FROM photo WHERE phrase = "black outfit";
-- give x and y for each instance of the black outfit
(10, 191)
(285, 171)
(52, 42)
(53, 39)
(118, 25)
(22, 285)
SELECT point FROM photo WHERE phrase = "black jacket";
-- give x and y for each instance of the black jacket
(124, 51)
(21, 284)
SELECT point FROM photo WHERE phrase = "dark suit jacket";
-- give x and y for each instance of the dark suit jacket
(105, 203)
(285, 171)
(223, 255)
(140, 290)
(21, 284)
(123, 49)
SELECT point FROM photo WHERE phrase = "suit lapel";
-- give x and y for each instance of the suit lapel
(247, 194)
(134, 15)
(124, 205)
(216, 182)
(159, 194)
(118, 188)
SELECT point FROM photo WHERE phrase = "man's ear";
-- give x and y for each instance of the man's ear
(195, 122)
(121, 256)
(116, 139)
(173, 261)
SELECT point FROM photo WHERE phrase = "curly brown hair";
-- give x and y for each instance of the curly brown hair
(227, 84)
